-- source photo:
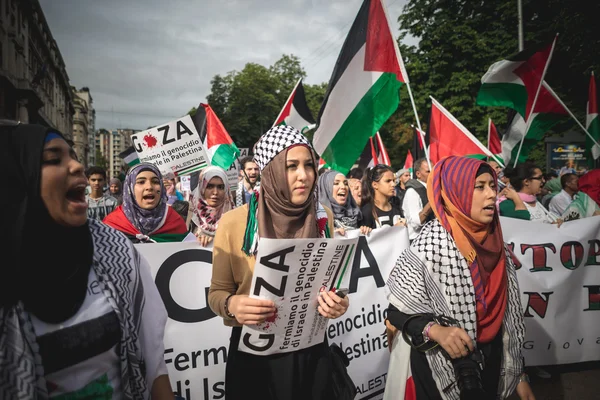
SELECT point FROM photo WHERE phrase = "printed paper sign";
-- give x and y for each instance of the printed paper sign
(174, 147)
(292, 272)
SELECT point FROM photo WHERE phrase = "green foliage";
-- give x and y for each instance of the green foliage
(458, 41)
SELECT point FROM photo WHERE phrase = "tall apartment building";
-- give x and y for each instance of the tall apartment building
(84, 126)
(111, 144)
(34, 85)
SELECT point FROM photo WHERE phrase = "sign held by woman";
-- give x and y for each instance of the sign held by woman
(292, 273)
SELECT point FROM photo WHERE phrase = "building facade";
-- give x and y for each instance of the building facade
(34, 85)
(112, 143)
(84, 121)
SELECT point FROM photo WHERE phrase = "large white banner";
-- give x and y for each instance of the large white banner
(174, 147)
(559, 278)
(196, 341)
(292, 273)
(360, 332)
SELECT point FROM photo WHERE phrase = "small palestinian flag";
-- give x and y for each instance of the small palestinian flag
(295, 112)
(592, 124)
(494, 144)
(364, 89)
(447, 136)
(220, 148)
(130, 157)
(374, 153)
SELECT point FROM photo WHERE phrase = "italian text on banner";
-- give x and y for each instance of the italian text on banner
(196, 341)
(360, 332)
(174, 147)
(291, 273)
(559, 279)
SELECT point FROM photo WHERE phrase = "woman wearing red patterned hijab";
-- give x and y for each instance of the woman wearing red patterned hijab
(454, 295)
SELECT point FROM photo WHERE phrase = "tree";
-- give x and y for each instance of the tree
(460, 39)
(248, 101)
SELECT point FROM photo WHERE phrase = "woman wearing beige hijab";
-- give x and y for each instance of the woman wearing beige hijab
(286, 207)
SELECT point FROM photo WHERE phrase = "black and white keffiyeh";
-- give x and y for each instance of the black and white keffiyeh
(119, 270)
(432, 277)
(274, 141)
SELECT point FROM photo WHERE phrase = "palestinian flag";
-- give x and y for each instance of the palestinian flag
(540, 124)
(220, 148)
(408, 163)
(514, 82)
(418, 147)
(364, 89)
(494, 144)
(130, 157)
(295, 112)
(592, 124)
(447, 136)
(374, 153)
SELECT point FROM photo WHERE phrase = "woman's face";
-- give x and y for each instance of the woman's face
(214, 194)
(300, 171)
(534, 184)
(147, 190)
(114, 188)
(385, 186)
(340, 189)
(405, 177)
(483, 206)
(356, 190)
(63, 184)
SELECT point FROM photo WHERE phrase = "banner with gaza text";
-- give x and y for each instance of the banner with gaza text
(559, 278)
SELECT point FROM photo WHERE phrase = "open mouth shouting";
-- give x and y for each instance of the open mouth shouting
(341, 196)
(75, 197)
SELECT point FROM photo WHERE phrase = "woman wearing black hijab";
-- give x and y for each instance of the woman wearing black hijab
(74, 294)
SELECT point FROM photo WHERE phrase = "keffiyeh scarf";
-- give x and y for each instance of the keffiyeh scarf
(116, 264)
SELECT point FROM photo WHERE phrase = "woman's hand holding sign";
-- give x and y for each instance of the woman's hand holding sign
(331, 305)
(249, 311)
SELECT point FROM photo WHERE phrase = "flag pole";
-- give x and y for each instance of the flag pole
(570, 113)
(537, 93)
(412, 100)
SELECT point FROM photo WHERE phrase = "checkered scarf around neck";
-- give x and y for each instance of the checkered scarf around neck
(450, 192)
(204, 216)
(271, 213)
(145, 221)
(346, 216)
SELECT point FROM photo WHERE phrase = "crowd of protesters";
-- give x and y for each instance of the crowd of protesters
(455, 204)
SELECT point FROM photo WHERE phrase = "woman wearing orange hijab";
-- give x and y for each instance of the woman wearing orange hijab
(454, 294)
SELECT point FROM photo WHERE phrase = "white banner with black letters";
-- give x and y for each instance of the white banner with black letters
(292, 273)
(559, 278)
(174, 147)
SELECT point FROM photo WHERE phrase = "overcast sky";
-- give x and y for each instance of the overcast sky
(147, 62)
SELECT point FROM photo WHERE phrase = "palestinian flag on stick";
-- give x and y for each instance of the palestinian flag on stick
(295, 112)
(219, 146)
(130, 157)
(374, 153)
(494, 145)
(514, 82)
(408, 163)
(447, 136)
(363, 91)
(592, 124)
(540, 124)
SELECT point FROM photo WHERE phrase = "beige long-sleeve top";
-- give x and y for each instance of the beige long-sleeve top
(232, 268)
